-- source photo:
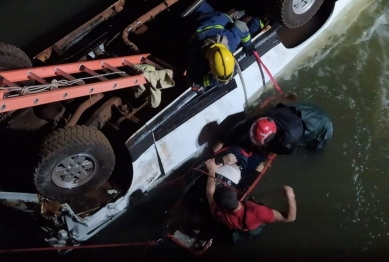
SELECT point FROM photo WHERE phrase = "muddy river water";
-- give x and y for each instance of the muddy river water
(342, 193)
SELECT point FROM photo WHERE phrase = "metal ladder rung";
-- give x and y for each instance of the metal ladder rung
(91, 72)
(67, 76)
(113, 69)
(125, 62)
(33, 76)
(5, 82)
(152, 63)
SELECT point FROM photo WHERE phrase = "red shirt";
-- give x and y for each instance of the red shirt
(256, 215)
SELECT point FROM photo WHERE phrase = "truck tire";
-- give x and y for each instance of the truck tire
(74, 161)
(295, 13)
(12, 58)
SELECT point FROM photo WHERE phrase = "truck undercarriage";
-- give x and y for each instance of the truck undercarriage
(74, 135)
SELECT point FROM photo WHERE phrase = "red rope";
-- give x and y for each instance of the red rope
(177, 180)
(205, 173)
(268, 164)
(260, 63)
(38, 249)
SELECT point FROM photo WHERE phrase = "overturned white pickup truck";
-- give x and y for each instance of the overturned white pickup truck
(149, 148)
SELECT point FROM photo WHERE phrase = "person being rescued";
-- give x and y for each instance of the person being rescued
(211, 60)
(244, 216)
(281, 129)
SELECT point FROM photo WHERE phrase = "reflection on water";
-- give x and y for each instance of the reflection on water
(342, 193)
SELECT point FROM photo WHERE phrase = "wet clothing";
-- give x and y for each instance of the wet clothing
(247, 161)
(297, 124)
(318, 128)
(256, 216)
(209, 25)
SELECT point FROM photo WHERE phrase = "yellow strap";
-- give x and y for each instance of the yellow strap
(229, 18)
(261, 24)
(206, 81)
(209, 27)
(246, 39)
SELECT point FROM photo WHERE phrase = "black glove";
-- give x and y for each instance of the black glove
(249, 50)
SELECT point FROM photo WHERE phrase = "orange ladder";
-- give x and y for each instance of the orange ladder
(13, 95)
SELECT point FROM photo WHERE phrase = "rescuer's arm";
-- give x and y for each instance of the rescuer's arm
(212, 168)
(236, 131)
(292, 208)
(280, 147)
(255, 25)
(198, 71)
(241, 31)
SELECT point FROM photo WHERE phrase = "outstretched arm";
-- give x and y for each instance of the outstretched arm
(241, 30)
(292, 208)
(212, 168)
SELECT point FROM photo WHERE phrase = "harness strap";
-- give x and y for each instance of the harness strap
(244, 222)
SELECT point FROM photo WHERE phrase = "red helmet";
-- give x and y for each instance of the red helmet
(262, 131)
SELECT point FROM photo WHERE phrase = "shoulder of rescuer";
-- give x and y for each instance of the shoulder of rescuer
(318, 128)
(255, 217)
(221, 67)
(289, 131)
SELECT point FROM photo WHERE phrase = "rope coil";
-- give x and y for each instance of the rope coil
(54, 84)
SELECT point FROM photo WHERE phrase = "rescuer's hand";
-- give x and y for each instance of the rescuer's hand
(249, 50)
(229, 159)
(217, 147)
(212, 167)
(289, 192)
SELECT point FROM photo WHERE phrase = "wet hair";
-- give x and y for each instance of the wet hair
(226, 199)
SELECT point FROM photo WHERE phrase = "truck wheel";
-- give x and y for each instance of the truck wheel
(295, 13)
(12, 58)
(74, 160)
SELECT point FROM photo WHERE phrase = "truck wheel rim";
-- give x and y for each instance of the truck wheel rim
(74, 171)
(302, 6)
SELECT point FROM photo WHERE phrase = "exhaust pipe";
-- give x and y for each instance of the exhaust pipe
(143, 19)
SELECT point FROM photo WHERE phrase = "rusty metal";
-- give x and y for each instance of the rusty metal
(51, 208)
(143, 19)
(141, 30)
(62, 45)
(25, 120)
(83, 107)
(103, 114)
(164, 63)
(95, 199)
(131, 116)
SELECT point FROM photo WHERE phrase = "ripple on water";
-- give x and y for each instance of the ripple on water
(349, 75)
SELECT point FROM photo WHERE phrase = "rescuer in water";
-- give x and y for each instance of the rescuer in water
(247, 217)
(211, 60)
(281, 129)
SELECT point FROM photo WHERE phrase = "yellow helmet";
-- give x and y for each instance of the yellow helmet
(221, 61)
